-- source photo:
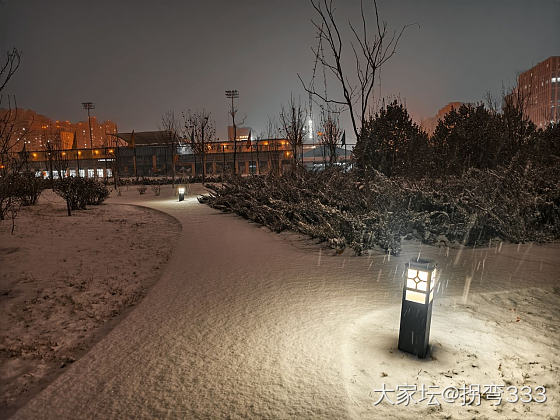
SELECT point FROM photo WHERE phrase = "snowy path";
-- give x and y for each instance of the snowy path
(245, 323)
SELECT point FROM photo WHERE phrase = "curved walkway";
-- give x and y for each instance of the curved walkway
(245, 323)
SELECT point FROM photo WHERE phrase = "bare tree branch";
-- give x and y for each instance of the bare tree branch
(371, 52)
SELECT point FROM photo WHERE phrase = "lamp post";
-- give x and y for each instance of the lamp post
(233, 94)
(89, 106)
(204, 123)
(416, 311)
(181, 193)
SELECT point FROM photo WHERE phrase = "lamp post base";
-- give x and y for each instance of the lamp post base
(414, 333)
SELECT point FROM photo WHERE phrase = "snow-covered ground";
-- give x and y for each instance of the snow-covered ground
(247, 323)
(64, 281)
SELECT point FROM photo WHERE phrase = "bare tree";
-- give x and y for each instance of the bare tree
(57, 158)
(171, 128)
(9, 68)
(10, 201)
(292, 126)
(8, 119)
(331, 133)
(268, 138)
(371, 47)
(202, 131)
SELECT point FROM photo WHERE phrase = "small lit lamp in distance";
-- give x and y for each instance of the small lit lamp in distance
(181, 193)
(416, 311)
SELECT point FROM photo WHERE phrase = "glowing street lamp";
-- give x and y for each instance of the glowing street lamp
(181, 193)
(416, 312)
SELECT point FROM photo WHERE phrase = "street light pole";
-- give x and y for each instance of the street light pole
(233, 94)
(204, 123)
(88, 106)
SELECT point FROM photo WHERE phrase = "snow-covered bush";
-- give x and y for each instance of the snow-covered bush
(95, 192)
(28, 187)
(79, 192)
(514, 203)
(9, 199)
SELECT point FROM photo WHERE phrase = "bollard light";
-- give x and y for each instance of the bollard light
(181, 193)
(416, 311)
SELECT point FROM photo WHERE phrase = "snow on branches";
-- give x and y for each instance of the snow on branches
(516, 204)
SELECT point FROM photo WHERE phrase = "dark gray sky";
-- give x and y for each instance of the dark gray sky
(137, 59)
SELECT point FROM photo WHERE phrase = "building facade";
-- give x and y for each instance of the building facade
(151, 154)
(36, 131)
(538, 88)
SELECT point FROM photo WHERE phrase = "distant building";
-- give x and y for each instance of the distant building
(151, 154)
(429, 124)
(35, 130)
(242, 133)
(152, 151)
(538, 88)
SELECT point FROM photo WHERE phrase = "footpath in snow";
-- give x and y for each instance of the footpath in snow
(248, 323)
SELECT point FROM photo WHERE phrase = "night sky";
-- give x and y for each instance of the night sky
(137, 59)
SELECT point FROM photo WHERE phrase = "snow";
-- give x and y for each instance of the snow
(248, 323)
(64, 281)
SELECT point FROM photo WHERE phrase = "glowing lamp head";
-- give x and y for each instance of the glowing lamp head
(420, 280)
(181, 191)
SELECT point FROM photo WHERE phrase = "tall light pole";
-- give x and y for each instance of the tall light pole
(89, 106)
(203, 124)
(233, 94)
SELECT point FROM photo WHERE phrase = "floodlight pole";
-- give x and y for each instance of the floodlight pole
(233, 94)
(203, 157)
(88, 106)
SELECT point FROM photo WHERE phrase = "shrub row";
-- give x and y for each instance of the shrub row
(513, 203)
(19, 189)
(165, 180)
(79, 192)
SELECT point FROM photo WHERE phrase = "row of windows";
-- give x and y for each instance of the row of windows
(73, 172)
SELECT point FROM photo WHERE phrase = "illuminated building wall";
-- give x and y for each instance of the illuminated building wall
(35, 130)
(242, 133)
(538, 87)
(429, 124)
